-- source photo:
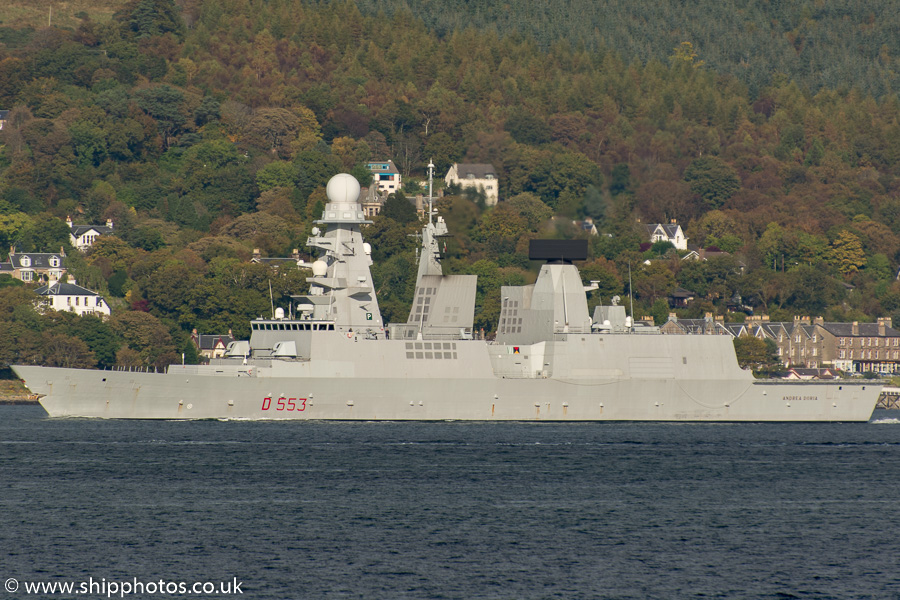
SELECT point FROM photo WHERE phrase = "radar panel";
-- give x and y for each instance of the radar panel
(564, 250)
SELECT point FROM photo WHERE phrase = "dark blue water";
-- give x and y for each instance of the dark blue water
(455, 510)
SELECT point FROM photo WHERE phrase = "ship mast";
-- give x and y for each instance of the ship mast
(341, 287)
(430, 259)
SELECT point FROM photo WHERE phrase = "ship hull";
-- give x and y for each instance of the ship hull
(195, 394)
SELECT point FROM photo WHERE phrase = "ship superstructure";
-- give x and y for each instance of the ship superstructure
(332, 357)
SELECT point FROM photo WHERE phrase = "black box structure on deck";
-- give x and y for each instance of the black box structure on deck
(558, 250)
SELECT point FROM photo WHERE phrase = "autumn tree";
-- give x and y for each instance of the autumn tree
(847, 253)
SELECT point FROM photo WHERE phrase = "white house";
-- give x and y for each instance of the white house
(83, 236)
(74, 298)
(671, 232)
(385, 176)
(475, 175)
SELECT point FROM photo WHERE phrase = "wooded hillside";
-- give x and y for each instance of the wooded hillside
(207, 129)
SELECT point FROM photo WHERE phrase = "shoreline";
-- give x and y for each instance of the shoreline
(18, 400)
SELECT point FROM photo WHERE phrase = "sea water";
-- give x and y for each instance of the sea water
(450, 510)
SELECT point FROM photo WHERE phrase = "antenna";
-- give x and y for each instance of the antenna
(430, 197)
(630, 291)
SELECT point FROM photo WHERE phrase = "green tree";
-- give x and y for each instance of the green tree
(61, 350)
(164, 104)
(653, 281)
(146, 340)
(276, 174)
(398, 208)
(754, 353)
(144, 18)
(713, 180)
(45, 233)
(531, 208)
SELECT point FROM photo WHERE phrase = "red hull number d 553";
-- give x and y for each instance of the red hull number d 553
(282, 403)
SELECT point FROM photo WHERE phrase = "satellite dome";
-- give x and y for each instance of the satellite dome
(319, 268)
(342, 188)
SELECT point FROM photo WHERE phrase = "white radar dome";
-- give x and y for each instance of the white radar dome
(342, 188)
(319, 268)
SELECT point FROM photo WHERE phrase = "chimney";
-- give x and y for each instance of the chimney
(256, 253)
(765, 318)
(69, 222)
(720, 318)
(295, 254)
(820, 320)
(854, 328)
(881, 327)
(109, 223)
(673, 317)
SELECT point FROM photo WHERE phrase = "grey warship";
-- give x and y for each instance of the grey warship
(332, 357)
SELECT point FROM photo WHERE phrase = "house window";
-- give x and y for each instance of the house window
(27, 275)
(54, 262)
(26, 261)
(841, 353)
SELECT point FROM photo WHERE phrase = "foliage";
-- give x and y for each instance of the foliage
(754, 353)
(207, 132)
